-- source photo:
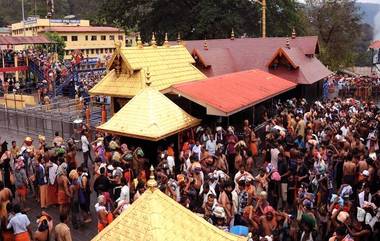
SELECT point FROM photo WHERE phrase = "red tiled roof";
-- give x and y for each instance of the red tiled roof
(82, 29)
(308, 70)
(12, 40)
(375, 45)
(228, 94)
(227, 56)
(208, 57)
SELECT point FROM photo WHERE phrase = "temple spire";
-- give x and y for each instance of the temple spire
(139, 42)
(147, 77)
(205, 46)
(153, 42)
(166, 42)
(232, 35)
(151, 183)
(118, 47)
(179, 38)
(294, 35)
(287, 42)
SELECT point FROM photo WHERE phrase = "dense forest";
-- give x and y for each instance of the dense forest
(339, 24)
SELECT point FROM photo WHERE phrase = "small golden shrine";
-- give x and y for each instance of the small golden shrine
(149, 115)
(157, 217)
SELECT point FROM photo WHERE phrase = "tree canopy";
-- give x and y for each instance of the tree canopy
(338, 23)
(198, 19)
(339, 27)
(59, 46)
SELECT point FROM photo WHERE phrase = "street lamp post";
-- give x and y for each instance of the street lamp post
(23, 16)
(263, 4)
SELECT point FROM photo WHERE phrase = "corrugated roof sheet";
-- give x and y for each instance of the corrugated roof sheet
(149, 115)
(255, 53)
(157, 217)
(308, 70)
(375, 45)
(12, 40)
(228, 94)
(167, 65)
(82, 29)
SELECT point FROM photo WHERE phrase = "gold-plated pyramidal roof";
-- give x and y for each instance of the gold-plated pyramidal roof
(149, 115)
(168, 65)
(157, 217)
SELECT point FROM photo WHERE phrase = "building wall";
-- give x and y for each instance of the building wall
(92, 44)
(34, 25)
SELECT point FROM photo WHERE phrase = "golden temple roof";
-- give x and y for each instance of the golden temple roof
(149, 115)
(168, 65)
(157, 217)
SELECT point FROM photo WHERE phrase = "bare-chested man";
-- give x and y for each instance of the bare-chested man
(349, 171)
(5, 198)
(63, 189)
(225, 199)
(270, 221)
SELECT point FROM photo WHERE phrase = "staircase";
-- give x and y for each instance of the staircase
(67, 87)
(35, 69)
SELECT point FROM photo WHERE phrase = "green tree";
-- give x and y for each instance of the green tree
(283, 16)
(197, 19)
(126, 14)
(58, 46)
(338, 25)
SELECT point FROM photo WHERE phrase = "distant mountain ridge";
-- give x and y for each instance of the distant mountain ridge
(369, 11)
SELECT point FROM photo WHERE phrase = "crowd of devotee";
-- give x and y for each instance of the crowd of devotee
(314, 174)
(87, 81)
(361, 88)
(54, 72)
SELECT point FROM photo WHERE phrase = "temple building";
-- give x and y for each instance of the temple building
(167, 65)
(293, 59)
(245, 78)
(149, 115)
(242, 93)
(156, 217)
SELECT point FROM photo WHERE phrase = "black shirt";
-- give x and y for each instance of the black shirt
(282, 169)
(101, 184)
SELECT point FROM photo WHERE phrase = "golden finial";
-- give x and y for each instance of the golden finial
(294, 35)
(287, 42)
(166, 42)
(205, 46)
(179, 38)
(232, 34)
(151, 183)
(118, 46)
(139, 42)
(147, 76)
(153, 42)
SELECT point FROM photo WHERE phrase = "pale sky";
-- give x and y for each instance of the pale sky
(367, 1)
(370, 1)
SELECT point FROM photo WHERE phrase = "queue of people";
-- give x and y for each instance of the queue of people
(361, 88)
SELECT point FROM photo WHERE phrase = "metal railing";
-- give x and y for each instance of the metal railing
(47, 119)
